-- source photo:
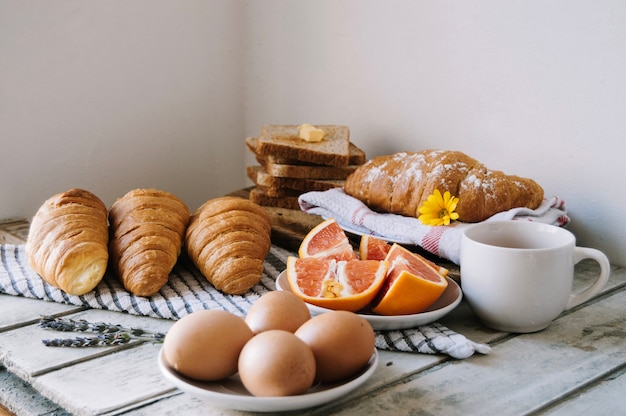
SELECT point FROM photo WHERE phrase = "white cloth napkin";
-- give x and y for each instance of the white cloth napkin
(442, 241)
(430, 339)
(188, 291)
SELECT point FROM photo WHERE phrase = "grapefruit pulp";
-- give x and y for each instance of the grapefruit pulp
(372, 248)
(348, 285)
(327, 241)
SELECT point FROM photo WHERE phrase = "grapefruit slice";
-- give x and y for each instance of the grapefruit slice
(411, 286)
(348, 285)
(372, 248)
(327, 241)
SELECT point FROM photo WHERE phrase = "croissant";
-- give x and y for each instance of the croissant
(401, 182)
(228, 239)
(147, 227)
(67, 241)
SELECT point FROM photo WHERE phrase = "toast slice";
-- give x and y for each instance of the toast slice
(272, 184)
(307, 171)
(261, 198)
(357, 155)
(283, 141)
(279, 192)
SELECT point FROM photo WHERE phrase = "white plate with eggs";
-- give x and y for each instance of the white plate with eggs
(230, 392)
(448, 300)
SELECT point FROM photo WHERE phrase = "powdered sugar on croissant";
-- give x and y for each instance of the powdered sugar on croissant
(401, 182)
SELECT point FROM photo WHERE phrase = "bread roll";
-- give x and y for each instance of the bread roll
(147, 227)
(67, 241)
(401, 182)
(228, 239)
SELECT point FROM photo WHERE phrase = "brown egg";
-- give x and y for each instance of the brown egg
(277, 310)
(205, 345)
(276, 363)
(342, 343)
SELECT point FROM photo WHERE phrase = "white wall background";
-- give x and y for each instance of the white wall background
(112, 95)
(534, 88)
(116, 95)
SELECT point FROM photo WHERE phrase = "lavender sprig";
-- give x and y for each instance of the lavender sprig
(110, 334)
(104, 340)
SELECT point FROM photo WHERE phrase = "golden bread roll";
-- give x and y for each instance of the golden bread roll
(228, 239)
(147, 228)
(67, 241)
(401, 182)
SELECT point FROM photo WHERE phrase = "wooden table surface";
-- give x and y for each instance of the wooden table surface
(575, 366)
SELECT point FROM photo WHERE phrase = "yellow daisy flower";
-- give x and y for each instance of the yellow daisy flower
(439, 209)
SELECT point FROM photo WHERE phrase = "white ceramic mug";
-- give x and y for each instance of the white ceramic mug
(517, 276)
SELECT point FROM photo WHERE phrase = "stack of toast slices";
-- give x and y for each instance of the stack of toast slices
(290, 166)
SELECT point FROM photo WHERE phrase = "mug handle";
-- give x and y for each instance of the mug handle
(581, 253)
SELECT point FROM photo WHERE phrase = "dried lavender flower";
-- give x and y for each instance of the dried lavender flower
(110, 334)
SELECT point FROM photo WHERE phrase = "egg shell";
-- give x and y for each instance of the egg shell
(276, 363)
(277, 310)
(205, 345)
(342, 343)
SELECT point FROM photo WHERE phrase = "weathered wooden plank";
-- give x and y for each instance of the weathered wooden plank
(184, 404)
(22, 399)
(15, 229)
(24, 354)
(603, 398)
(17, 311)
(522, 374)
(107, 383)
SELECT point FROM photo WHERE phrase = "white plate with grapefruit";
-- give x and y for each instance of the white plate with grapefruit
(390, 286)
(449, 300)
(230, 392)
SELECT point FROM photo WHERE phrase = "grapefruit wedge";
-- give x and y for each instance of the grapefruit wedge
(348, 285)
(411, 286)
(327, 241)
(372, 248)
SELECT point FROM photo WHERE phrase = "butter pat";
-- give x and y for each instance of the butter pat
(311, 133)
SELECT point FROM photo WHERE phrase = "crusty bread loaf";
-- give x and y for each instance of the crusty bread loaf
(357, 155)
(67, 241)
(228, 239)
(284, 141)
(401, 182)
(147, 227)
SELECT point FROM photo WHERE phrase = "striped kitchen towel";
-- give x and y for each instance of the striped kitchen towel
(188, 291)
(442, 241)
